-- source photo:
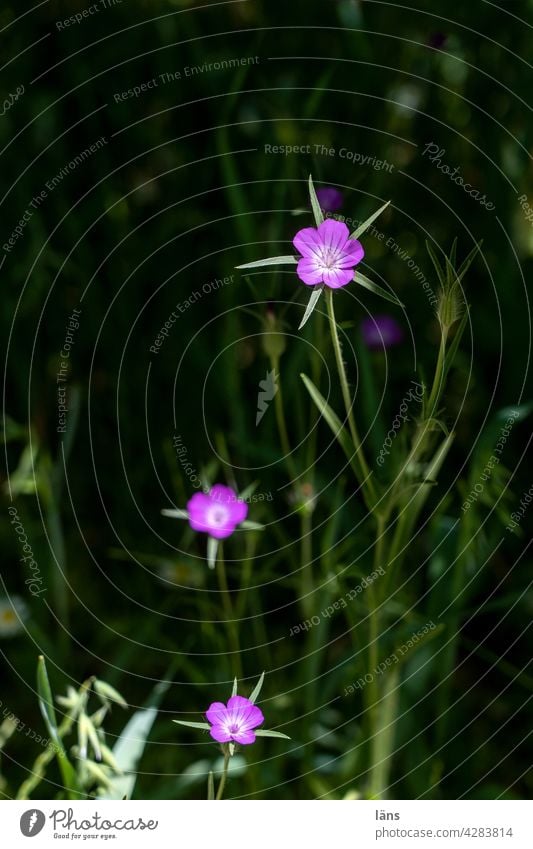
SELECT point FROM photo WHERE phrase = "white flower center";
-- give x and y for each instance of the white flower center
(217, 515)
(328, 258)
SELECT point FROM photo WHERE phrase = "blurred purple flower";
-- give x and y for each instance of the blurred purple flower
(329, 198)
(234, 722)
(437, 40)
(381, 331)
(328, 255)
(217, 512)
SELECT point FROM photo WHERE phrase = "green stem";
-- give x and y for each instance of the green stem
(364, 474)
(222, 784)
(438, 380)
(306, 573)
(281, 422)
(228, 613)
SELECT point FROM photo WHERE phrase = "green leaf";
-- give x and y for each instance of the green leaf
(377, 290)
(175, 514)
(231, 749)
(423, 640)
(203, 725)
(249, 490)
(257, 689)
(212, 550)
(46, 705)
(315, 206)
(248, 525)
(437, 265)
(341, 434)
(366, 224)
(271, 734)
(235, 685)
(452, 350)
(313, 300)
(274, 260)
(130, 746)
(383, 739)
(210, 787)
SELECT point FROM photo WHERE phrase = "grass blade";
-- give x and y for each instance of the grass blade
(377, 290)
(366, 224)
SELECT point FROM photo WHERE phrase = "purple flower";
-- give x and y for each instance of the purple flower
(328, 254)
(381, 331)
(217, 512)
(234, 722)
(329, 198)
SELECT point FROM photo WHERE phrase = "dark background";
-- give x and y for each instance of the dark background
(181, 193)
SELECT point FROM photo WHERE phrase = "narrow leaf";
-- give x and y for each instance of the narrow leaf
(273, 260)
(232, 749)
(248, 525)
(339, 431)
(210, 787)
(366, 224)
(68, 774)
(130, 746)
(313, 300)
(203, 725)
(257, 689)
(212, 549)
(175, 514)
(271, 734)
(315, 206)
(437, 265)
(249, 490)
(377, 290)
(235, 685)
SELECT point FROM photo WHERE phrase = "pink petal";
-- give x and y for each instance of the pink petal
(220, 734)
(307, 241)
(333, 234)
(337, 277)
(244, 737)
(216, 713)
(197, 505)
(222, 494)
(222, 532)
(352, 250)
(244, 713)
(239, 511)
(239, 702)
(308, 272)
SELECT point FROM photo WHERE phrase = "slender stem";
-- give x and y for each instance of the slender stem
(282, 424)
(222, 784)
(374, 624)
(364, 474)
(306, 572)
(228, 612)
(438, 380)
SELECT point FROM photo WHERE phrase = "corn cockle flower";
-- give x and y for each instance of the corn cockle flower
(217, 512)
(234, 722)
(381, 331)
(328, 255)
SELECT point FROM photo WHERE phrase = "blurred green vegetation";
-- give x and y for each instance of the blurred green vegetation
(181, 192)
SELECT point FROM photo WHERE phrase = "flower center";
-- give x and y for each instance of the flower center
(329, 257)
(217, 515)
